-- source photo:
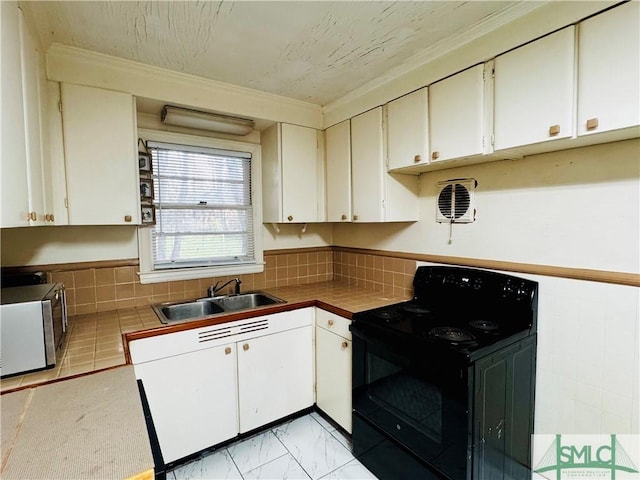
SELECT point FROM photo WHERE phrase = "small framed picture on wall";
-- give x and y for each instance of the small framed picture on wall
(148, 215)
(146, 190)
(144, 162)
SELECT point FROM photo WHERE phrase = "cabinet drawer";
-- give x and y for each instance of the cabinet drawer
(333, 323)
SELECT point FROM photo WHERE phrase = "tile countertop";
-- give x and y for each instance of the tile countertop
(93, 426)
(87, 427)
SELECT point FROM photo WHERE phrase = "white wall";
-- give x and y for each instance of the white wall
(579, 208)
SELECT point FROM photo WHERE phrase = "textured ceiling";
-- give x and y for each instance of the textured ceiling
(307, 50)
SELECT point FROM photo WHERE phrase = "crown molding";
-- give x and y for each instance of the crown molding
(76, 65)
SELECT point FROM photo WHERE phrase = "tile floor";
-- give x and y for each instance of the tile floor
(94, 342)
(307, 447)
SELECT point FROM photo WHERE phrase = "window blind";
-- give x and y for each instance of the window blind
(202, 198)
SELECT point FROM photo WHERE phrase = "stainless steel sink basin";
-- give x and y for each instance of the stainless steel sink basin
(207, 307)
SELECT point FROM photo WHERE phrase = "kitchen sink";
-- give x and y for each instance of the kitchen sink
(179, 312)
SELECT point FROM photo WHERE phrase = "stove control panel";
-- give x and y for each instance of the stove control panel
(460, 284)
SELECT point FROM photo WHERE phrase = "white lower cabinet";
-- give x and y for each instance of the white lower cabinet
(275, 377)
(206, 385)
(193, 399)
(333, 367)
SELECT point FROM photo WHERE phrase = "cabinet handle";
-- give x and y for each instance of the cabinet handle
(330, 323)
(127, 218)
(554, 130)
(290, 218)
(227, 351)
(245, 347)
(46, 217)
(345, 345)
(417, 158)
(355, 217)
(592, 123)
(435, 155)
(33, 216)
(343, 217)
(51, 217)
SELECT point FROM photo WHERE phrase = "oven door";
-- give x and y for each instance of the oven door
(418, 404)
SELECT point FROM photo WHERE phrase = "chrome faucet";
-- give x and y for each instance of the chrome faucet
(214, 289)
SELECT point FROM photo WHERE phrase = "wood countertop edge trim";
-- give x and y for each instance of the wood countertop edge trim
(231, 317)
(146, 475)
(62, 379)
(601, 276)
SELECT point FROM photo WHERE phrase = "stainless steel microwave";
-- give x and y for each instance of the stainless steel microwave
(33, 320)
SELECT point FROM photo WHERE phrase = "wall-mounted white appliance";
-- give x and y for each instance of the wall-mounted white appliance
(455, 201)
(33, 321)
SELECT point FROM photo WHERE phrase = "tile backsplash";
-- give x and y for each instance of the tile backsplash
(98, 289)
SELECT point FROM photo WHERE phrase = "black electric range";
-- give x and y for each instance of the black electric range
(434, 378)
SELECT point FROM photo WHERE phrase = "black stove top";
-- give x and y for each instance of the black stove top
(457, 309)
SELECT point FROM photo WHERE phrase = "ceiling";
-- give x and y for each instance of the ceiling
(314, 51)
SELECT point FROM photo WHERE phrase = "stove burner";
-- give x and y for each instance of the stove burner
(452, 334)
(415, 309)
(388, 316)
(485, 326)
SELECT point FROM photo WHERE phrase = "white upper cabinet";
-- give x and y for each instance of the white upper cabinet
(457, 115)
(534, 92)
(101, 156)
(609, 72)
(338, 155)
(15, 195)
(32, 96)
(408, 131)
(292, 175)
(378, 196)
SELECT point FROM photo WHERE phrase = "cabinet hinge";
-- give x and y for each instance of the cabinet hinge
(493, 72)
(60, 106)
(66, 202)
(493, 140)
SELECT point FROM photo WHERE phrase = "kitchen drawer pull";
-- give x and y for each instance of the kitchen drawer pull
(330, 323)
(592, 123)
(355, 217)
(435, 155)
(417, 158)
(245, 347)
(554, 130)
(290, 218)
(345, 345)
(127, 218)
(343, 217)
(227, 351)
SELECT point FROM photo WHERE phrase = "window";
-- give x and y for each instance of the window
(206, 219)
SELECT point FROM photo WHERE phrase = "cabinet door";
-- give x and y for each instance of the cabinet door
(367, 166)
(609, 70)
(408, 130)
(13, 178)
(193, 399)
(275, 376)
(457, 113)
(534, 91)
(338, 151)
(333, 376)
(100, 156)
(32, 95)
(299, 173)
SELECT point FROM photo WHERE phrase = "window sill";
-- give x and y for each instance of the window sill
(177, 274)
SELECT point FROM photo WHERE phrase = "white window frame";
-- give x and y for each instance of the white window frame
(145, 243)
